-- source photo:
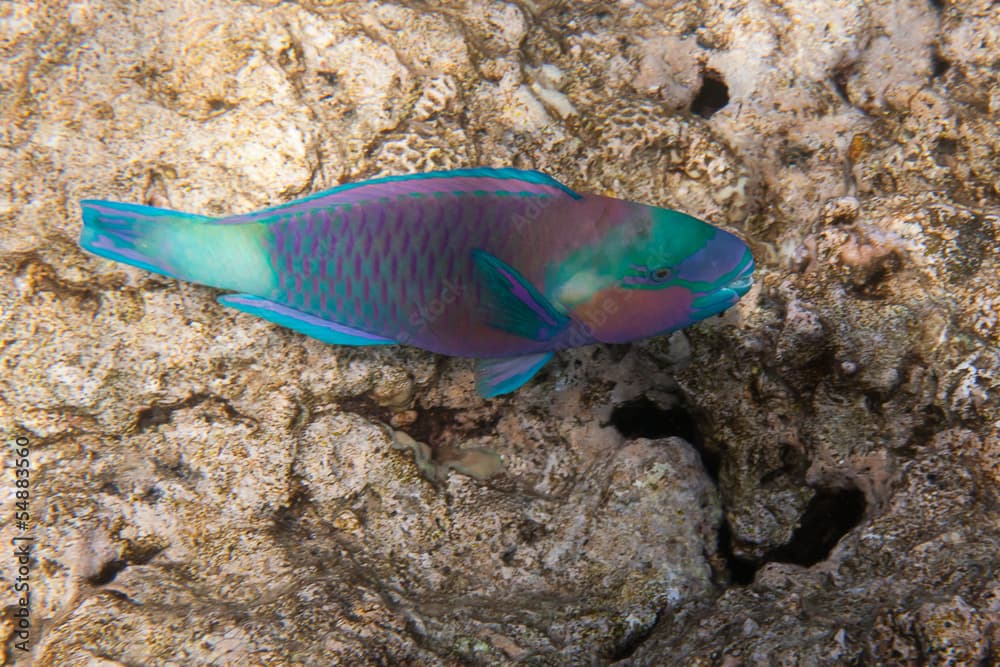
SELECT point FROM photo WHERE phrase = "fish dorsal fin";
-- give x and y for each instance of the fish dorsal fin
(475, 181)
(510, 303)
(502, 376)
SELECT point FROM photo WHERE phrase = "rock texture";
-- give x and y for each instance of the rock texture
(811, 479)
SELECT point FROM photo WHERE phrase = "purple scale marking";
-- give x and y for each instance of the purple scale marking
(450, 271)
(362, 227)
(348, 233)
(425, 241)
(367, 247)
(279, 239)
(325, 216)
(405, 243)
(395, 224)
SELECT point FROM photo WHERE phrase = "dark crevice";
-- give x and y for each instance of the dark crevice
(216, 105)
(366, 407)
(939, 64)
(840, 76)
(134, 554)
(108, 572)
(642, 418)
(874, 400)
(155, 415)
(331, 79)
(830, 515)
(712, 96)
(934, 420)
(945, 148)
(286, 519)
(741, 570)
(439, 425)
(433, 425)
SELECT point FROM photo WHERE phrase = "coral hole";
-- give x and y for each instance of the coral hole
(830, 515)
(642, 418)
(712, 96)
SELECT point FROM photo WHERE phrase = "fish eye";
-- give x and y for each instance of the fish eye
(660, 274)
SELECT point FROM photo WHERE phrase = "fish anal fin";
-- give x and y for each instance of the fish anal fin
(310, 325)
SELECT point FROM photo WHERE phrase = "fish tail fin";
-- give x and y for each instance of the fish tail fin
(180, 245)
(134, 234)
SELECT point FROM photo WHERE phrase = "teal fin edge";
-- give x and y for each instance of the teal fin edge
(502, 376)
(310, 325)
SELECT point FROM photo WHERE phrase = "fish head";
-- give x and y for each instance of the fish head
(672, 270)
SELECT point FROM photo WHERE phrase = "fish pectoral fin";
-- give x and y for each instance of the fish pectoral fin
(310, 325)
(512, 304)
(501, 376)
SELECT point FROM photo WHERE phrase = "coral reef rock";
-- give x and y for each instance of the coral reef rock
(810, 479)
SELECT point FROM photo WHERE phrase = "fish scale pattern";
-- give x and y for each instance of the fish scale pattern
(376, 265)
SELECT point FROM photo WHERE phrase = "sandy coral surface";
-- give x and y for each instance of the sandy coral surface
(811, 479)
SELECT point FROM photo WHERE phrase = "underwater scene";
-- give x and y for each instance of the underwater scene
(482, 332)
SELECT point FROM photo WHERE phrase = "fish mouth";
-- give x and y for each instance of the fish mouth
(741, 283)
(726, 296)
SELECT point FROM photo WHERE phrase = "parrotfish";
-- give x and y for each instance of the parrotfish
(503, 265)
